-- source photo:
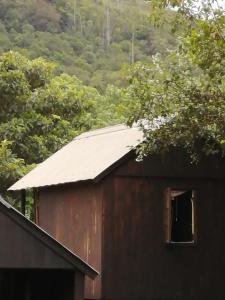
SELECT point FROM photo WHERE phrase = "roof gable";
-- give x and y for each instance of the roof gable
(25, 245)
(85, 158)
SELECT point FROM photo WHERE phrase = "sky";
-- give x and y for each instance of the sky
(216, 3)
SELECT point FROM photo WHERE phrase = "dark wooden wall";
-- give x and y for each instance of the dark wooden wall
(173, 165)
(118, 226)
(137, 262)
(72, 214)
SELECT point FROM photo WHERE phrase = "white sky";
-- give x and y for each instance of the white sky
(214, 3)
(220, 3)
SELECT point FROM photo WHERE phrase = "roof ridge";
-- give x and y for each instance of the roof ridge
(84, 158)
(101, 131)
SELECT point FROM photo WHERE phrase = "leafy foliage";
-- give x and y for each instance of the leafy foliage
(11, 166)
(40, 111)
(182, 97)
(113, 107)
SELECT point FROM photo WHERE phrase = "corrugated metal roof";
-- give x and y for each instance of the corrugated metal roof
(84, 158)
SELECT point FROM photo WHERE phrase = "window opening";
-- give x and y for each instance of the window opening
(182, 216)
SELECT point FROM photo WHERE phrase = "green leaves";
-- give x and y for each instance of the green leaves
(39, 113)
(185, 88)
(89, 39)
(11, 166)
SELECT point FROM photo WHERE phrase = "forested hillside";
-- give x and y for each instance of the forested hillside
(91, 39)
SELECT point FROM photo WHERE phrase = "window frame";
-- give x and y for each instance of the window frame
(168, 216)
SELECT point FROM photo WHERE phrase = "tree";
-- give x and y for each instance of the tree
(84, 37)
(113, 107)
(180, 98)
(39, 112)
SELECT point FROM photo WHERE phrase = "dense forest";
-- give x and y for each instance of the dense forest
(92, 39)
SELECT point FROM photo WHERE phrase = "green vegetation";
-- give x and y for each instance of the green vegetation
(91, 39)
(40, 111)
(185, 90)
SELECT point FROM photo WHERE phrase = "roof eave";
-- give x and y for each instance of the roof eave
(96, 179)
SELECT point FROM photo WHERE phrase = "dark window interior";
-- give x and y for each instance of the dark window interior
(182, 216)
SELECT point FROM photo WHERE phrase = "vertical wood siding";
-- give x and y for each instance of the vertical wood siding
(72, 214)
(137, 262)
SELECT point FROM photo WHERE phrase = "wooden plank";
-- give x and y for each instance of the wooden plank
(72, 214)
(167, 214)
(78, 286)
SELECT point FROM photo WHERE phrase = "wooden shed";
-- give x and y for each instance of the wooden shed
(154, 229)
(35, 266)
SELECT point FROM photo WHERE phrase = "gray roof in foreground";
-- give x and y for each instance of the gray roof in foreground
(84, 158)
(43, 237)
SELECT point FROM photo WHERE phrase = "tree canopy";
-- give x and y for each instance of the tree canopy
(89, 39)
(180, 98)
(40, 112)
